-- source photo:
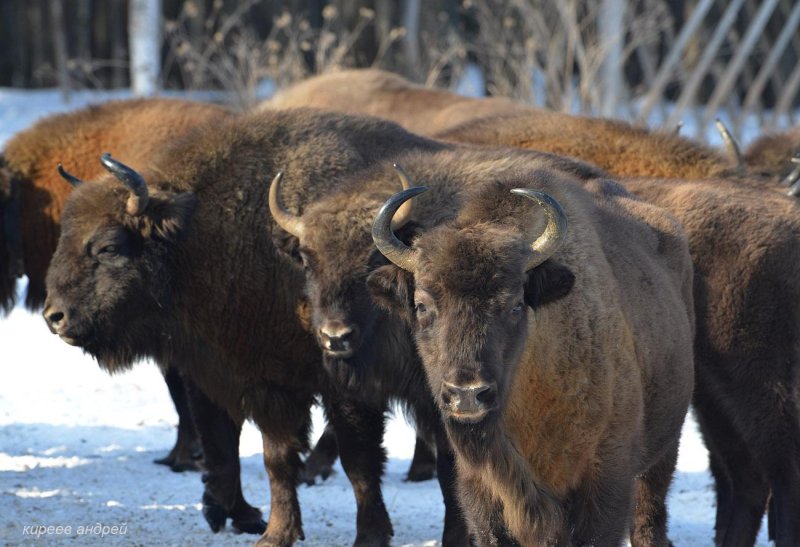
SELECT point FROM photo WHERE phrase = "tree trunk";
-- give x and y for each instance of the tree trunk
(60, 46)
(144, 39)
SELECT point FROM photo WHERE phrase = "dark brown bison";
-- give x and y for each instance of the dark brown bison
(177, 263)
(558, 348)
(135, 129)
(739, 361)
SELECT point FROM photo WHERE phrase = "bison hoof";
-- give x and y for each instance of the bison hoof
(281, 539)
(419, 473)
(373, 541)
(214, 513)
(310, 473)
(183, 458)
(257, 526)
(246, 519)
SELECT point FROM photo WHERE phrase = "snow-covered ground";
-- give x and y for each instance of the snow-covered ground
(76, 445)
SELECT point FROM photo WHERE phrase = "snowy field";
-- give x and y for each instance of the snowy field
(76, 445)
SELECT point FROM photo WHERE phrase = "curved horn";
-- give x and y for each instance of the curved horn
(794, 176)
(731, 147)
(553, 236)
(137, 203)
(403, 214)
(286, 220)
(72, 179)
(383, 236)
(678, 127)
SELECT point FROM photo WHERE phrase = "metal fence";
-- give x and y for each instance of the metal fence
(655, 61)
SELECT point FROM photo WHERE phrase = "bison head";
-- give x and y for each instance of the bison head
(466, 289)
(109, 285)
(331, 243)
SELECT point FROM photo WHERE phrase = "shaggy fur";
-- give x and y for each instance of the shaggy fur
(419, 109)
(744, 246)
(197, 279)
(592, 381)
(501, 121)
(134, 130)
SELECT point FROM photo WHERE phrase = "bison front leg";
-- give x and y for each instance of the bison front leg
(359, 434)
(222, 495)
(285, 422)
(455, 526)
(650, 513)
(601, 509)
(483, 513)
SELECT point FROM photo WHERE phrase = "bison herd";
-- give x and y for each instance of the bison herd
(544, 294)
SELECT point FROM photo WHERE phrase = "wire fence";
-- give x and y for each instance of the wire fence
(655, 61)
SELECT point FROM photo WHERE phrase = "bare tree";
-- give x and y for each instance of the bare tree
(144, 41)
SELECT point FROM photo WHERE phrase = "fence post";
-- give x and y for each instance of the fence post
(612, 35)
(144, 41)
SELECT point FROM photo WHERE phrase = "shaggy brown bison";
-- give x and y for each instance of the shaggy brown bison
(740, 361)
(177, 263)
(560, 357)
(135, 129)
(419, 109)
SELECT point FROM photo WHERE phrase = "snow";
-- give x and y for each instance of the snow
(76, 445)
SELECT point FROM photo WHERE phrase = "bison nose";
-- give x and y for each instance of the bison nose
(56, 319)
(338, 338)
(469, 402)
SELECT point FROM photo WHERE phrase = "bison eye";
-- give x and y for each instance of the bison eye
(109, 250)
(420, 308)
(517, 309)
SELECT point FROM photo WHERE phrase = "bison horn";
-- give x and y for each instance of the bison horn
(286, 220)
(732, 148)
(72, 179)
(553, 236)
(403, 214)
(383, 235)
(678, 127)
(794, 191)
(137, 202)
(794, 176)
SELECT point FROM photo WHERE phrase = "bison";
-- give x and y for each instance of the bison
(747, 389)
(136, 129)
(560, 357)
(178, 263)
(419, 109)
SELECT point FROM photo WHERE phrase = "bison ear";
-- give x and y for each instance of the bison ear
(169, 217)
(392, 288)
(548, 282)
(288, 245)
